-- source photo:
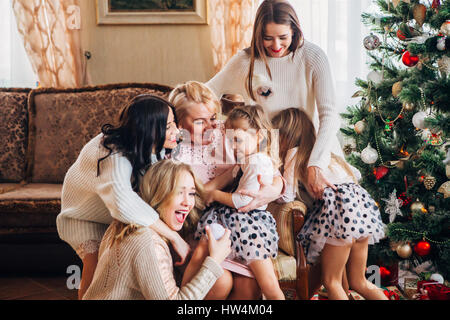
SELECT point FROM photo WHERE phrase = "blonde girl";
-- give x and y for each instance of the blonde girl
(253, 234)
(343, 222)
(135, 261)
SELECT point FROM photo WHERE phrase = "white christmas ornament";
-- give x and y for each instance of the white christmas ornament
(418, 120)
(437, 277)
(393, 206)
(369, 155)
(375, 76)
(441, 44)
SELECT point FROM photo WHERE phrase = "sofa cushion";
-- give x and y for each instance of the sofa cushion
(282, 214)
(285, 267)
(13, 134)
(62, 121)
(31, 205)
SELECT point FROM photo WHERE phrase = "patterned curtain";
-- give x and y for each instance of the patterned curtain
(51, 36)
(231, 23)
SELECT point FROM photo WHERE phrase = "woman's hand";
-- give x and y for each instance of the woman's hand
(317, 182)
(219, 249)
(181, 247)
(266, 194)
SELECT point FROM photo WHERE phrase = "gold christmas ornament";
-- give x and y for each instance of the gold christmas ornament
(396, 88)
(417, 207)
(445, 189)
(360, 126)
(419, 13)
(429, 182)
(408, 106)
(404, 250)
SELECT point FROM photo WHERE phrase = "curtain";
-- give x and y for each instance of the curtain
(51, 36)
(231, 24)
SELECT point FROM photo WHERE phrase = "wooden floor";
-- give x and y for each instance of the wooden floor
(35, 288)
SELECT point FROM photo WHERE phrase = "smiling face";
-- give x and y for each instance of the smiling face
(180, 204)
(171, 131)
(277, 39)
(199, 119)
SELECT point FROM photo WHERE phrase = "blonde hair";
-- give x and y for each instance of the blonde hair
(192, 91)
(258, 120)
(158, 188)
(297, 130)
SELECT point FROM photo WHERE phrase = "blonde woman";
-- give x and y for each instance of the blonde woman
(135, 262)
(212, 158)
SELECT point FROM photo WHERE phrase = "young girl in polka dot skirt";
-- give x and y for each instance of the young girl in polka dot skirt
(342, 223)
(254, 239)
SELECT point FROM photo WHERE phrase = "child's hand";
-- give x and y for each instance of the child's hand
(210, 197)
(317, 182)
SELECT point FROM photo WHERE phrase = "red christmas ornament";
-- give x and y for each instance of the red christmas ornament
(436, 4)
(405, 33)
(380, 172)
(406, 200)
(384, 273)
(422, 248)
(409, 60)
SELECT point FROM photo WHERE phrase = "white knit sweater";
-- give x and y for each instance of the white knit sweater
(300, 81)
(89, 203)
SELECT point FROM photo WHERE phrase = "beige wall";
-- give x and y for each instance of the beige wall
(164, 54)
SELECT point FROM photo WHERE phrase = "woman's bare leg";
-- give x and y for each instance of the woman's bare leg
(357, 272)
(90, 261)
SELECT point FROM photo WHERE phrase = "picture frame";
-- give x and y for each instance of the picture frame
(117, 12)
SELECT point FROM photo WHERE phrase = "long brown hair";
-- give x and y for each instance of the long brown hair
(297, 130)
(158, 187)
(278, 12)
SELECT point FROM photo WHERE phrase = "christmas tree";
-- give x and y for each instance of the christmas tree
(399, 130)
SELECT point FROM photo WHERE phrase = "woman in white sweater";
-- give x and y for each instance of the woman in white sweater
(101, 185)
(281, 70)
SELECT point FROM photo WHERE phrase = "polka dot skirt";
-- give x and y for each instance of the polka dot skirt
(253, 235)
(350, 213)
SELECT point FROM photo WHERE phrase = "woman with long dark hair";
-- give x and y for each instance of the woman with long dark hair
(102, 184)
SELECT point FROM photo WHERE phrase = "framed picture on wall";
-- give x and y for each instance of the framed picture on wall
(152, 12)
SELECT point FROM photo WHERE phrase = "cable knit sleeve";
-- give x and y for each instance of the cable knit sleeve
(329, 120)
(114, 188)
(231, 79)
(154, 272)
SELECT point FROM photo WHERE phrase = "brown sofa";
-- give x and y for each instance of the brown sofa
(42, 132)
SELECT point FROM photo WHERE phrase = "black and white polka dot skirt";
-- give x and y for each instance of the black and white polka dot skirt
(339, 218)
(253, 234)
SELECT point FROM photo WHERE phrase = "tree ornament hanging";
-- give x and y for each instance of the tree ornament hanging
(369, 155)
(406, 200)
(418, 120)
(435, 5)
(375, 76)
(429, 182)
(397, 88)
(445, 28)
(393, 205)
(371, 42)
(360, 126)
(444, 65)
(417, 207)
(380, 172)
(408, 106)
(409, 60)
(445, 189)
(419, 13)
(404, 250)
(422, 248)
(440, 44)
